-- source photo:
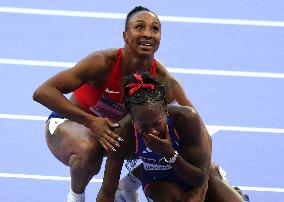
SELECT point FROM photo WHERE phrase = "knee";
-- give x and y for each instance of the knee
(88, 158)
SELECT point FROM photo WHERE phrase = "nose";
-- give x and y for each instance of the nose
(148, 33)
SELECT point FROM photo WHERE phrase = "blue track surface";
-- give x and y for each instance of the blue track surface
(251, 153)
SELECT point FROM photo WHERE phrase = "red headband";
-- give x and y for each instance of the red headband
(136, 86)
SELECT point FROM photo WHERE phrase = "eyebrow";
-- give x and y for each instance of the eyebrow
(155, 22)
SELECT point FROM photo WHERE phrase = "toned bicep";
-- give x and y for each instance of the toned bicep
(195, 148)
(65, 81)
(92, 68)
(175, 92)
(195, 155)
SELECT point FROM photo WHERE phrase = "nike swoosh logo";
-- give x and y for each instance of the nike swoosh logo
(110, 91)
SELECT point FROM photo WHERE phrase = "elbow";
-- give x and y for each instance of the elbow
(200, 179)
(38, 95)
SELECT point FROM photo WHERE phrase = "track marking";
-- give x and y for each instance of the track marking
(94, 180)
(42, 177)
(23, 117)
(36, 63)
(262, 189)
(121, 16)
(211, 128)
(171, 69)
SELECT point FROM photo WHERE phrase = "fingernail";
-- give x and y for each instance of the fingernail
(117, 144)
(115, 125)
(113, 149)
(120, 139)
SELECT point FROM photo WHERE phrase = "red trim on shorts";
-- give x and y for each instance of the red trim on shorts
(146, 187)
(136, 140)
(176, 134)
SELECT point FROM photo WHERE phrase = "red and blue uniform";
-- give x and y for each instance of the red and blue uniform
(106, 100)
(155, 167)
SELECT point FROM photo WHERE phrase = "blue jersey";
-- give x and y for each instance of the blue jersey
(155, 167)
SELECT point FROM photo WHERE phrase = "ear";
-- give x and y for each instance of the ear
(125, 37)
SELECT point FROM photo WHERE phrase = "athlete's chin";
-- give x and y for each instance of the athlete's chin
(146, 52)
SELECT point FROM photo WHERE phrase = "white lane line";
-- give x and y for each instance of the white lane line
(41, 177)
(245, 129)
(94, 180)
(226, 73)
(23, 117)
(36, 63)
(122, 16)
(211, 128)
(208, 72)
(262, 189)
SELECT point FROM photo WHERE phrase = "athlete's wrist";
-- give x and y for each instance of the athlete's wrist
(88, 119)
(172, 158)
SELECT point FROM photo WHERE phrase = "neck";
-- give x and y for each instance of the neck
(131, 63)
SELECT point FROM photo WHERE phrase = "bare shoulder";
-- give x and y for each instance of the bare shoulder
(101, 59)
(96, 66)
(182, 113)
(164, 76)
(162, 72)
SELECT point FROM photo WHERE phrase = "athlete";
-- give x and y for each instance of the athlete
(79, 130)
(173, 145)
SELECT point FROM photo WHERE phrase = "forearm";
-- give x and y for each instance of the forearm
(192, 175)
(104, 197)
(112, 172)
(54, 100)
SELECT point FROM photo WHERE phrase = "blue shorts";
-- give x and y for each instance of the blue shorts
(55, 115)
(171, 177)
(55, 120)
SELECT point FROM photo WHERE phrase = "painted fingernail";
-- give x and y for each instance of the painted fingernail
(120, 139)
(115, 125)
(113, 149)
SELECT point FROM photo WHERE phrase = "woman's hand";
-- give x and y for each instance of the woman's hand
(159, 146)
(102, 129)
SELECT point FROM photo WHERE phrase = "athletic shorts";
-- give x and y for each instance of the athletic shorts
(55, 120)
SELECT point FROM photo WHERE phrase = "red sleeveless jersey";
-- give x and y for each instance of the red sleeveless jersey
(107, 100)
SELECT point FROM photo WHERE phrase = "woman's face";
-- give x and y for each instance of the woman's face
(143, 33)
(150, 119)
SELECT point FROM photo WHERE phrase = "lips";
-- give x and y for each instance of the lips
(146, 44)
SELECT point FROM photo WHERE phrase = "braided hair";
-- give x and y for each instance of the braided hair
(143, 89)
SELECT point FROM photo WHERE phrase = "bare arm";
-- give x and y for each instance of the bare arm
(175, 91)
(194, 159)
(192, 162)
(93, 68)
(115, 161)
(50, 93)
(112, 172)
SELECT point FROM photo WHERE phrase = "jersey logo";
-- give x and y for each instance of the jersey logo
(147, 150)
(110, 91)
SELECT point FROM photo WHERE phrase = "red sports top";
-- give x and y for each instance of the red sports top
(107, 100)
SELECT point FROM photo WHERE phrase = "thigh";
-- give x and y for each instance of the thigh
(70, 138)
(219, 190)
(164, 192)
